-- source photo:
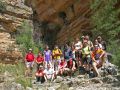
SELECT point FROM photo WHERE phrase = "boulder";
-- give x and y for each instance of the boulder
(58, 79)
(109, 79)
(96, 80)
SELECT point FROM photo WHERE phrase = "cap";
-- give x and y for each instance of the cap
(30, 49)
(99, 37)
(96, 45)
(40, 66)
(83, 37)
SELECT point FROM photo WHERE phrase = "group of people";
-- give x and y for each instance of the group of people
(67, 60)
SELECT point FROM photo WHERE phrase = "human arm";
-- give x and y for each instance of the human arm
(93, 57)
(102, 54)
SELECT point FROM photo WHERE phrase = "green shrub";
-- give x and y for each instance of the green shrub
(25, 38)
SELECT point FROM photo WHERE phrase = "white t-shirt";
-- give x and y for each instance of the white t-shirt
(78, 45)
(100, 45)
(49, 72)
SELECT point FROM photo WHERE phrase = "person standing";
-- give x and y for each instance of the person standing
(29, 61)
(78, 47)
(86, 56)
(90, 44)
(56, 57)
(47, 56)
(39, 60)
(67, 52)
(103, 43)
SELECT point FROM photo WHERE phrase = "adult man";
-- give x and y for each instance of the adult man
(56, 57)
(90, 44)
(78, 47)
(98, 58)
(29, 60)
(49, 73)
(67, 52)
(103, 43)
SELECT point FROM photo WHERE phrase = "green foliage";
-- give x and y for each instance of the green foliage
(2, 6)
(107, 24)
(105, 18)
(25, 38)
(17, 71)
(115, 50)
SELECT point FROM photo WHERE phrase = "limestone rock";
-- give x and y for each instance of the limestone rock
(110, 79)
(72, 17)
(96, 80)
(9, 51)
(58, 79)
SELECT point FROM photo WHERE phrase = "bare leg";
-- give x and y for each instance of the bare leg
(95, 68)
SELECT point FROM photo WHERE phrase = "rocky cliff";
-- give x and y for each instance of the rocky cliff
(63, 19)
(12, 15)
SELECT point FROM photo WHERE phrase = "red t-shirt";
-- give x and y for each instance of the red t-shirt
(40, 73)
(70, 64)
(30, 57)
(39, 59)
(62, 64)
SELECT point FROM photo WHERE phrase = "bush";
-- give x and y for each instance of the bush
(25, 38)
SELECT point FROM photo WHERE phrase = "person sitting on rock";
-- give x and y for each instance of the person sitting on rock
(29, 60)
(98, 58)
(62, 66)
(71, 65)
(40, 76)
(49, 73)
(39, 60)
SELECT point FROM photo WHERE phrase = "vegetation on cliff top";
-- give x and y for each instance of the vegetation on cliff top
(106, 22)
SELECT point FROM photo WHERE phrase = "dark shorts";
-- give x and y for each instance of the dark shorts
(86, 60)
(40, 79)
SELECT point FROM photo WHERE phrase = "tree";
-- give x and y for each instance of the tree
(106, 23)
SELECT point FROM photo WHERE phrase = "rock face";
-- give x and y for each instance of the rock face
(71, 16)
(9, 51)
(12, 15)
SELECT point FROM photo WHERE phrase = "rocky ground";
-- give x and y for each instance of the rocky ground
(79, 82)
